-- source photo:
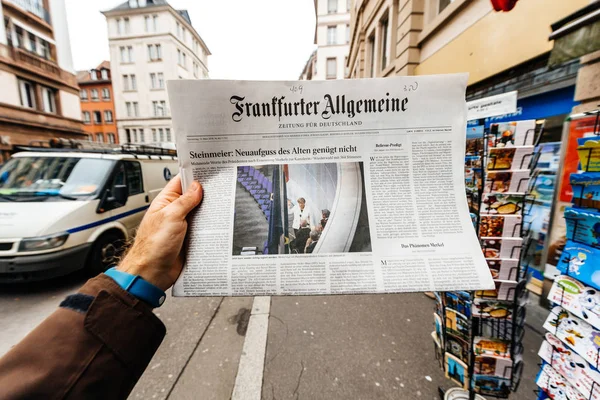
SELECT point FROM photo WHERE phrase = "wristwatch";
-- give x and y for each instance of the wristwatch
(138, 287)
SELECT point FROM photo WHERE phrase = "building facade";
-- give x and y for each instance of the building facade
(332, 39)
(97, 104)
(39, 99)
(150, 43)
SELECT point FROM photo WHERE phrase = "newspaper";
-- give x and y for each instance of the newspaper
(326, 187)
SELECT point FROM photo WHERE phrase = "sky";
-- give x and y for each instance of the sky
(248, 39)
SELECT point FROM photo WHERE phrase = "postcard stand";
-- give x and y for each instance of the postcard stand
(507, 327)
(545, 386)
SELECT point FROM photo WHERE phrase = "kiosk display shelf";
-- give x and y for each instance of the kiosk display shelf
(570, 353)
(478, 334)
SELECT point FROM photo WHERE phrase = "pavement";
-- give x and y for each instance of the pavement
(313, 347)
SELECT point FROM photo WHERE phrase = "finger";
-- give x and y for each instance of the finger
(174, 186)
(190, 199)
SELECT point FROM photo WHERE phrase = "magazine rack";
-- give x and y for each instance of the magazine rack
(487, 318)
(553, 364)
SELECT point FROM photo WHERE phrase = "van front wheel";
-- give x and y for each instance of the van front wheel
(105, 252)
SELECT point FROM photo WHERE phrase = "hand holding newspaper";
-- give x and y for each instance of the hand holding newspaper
(326, 187)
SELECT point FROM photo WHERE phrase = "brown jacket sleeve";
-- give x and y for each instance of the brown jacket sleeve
(95, 346)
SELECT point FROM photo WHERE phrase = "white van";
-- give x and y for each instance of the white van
(66, 209)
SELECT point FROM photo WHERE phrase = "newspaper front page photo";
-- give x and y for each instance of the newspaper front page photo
(326, 187)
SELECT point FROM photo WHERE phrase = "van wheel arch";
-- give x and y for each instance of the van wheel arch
(106, 250)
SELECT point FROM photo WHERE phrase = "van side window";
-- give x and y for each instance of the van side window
(135, 183)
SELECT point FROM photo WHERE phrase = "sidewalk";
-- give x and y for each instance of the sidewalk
(318, 347)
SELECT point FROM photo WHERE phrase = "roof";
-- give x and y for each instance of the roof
(157, 3)
(185, 15)
(84, 76)
(149, 3)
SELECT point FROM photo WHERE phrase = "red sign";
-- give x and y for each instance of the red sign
(578, 129)
(504, 5)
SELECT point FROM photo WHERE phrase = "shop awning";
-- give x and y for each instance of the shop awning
(576, 35)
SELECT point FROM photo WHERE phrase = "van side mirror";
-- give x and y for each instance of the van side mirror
(120, 194)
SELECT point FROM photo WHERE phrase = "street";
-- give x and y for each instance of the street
(318, 347)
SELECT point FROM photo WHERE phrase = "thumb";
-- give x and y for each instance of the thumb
(187, 201)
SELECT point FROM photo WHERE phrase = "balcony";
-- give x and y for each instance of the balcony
(23, 59)
(36, 7)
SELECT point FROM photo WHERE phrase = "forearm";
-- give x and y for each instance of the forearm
(96, 345)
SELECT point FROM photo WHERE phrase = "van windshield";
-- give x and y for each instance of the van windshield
(65, 178)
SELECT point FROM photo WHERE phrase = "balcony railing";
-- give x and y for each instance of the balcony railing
(35, 7)
(34, 63)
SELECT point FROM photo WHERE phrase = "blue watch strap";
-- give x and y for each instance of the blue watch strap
(138, 287)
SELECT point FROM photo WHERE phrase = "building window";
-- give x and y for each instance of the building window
(126, 54)
(159, 108)
(178, 30)
(183, 34)
(100, 137)
(106, 94)
(195, 69)
(19, 37)
(347, 33)
(27, 91)
(126, 25)
(168, 131)
(86, 117)
(120, 27)
(128, 108)
(346, 68)
(90, 138)
(32, 43)
(148, 23)
(161, 80)
(97, 117)
(348, 5)
(161, 134)
(136, 109)
(442, 4)
(153, 82)
(49, 99)
(129, 82)
(332, 35)
(44, 49)
(331, 68)
(94, 93)
(372, 55)
(94, 75)
(154, 135)
(154, 52)
(111, 138)
(108, 116)
(332, 6)
(155, 23)
(132, 109)
(181, 58)
(83, 94)
(385, 43)
(141, 133)
(104, 74)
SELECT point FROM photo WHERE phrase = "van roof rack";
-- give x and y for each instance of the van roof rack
(71, 145)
